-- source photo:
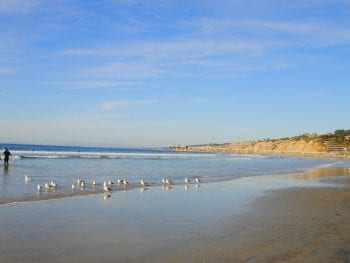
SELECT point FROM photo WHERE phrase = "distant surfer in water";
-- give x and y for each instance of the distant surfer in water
(7, 156)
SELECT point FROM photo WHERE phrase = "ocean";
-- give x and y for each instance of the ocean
(65, 164)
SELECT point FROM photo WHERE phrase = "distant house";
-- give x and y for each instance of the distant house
(178, 147)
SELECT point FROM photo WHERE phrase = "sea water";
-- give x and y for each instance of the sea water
(65, 164)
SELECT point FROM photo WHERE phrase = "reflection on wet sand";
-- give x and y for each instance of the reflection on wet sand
(323, 172)
(143, 189)
(106, 196)
(166, 187)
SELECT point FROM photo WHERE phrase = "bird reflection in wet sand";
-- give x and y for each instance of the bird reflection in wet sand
(167, 187)
(187, 186)
(106, 196)
(143, 189)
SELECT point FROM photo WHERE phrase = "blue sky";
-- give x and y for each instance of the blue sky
(155, 73)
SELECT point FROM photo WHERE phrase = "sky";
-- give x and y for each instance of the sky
(159, 73)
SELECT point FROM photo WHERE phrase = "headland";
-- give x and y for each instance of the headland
(330, 145)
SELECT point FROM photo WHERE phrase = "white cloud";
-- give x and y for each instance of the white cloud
(12, 6)
(247, 46)
(177, 48)
(6, 71)
(109, 105)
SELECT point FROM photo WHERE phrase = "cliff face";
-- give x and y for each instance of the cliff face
(309, 147)
(332, 145)
(278, 146)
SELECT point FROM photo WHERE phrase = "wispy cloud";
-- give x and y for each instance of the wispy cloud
(292, 32)
(7, 71)
(109, 105)
(182, 57)
(176, 47)
(248, 46)
(204, 101)
(94, 84)
(13, 6)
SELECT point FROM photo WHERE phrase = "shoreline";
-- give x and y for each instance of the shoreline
(210, 149)
(47, 195)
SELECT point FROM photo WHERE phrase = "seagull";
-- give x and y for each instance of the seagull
(79, 181)
(187, 180)
(73, 186)
(110, 182)
(53, 184)
(143, 183)
(27, 178)
(197, 180)
(94, 182)
(125, 182)
(106, 188)
(119, 181)
(82, 184)
(168, 182)
(165, 181)
(49, 186)
(39, 187)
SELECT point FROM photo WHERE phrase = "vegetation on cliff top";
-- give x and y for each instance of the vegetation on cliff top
(341, 137)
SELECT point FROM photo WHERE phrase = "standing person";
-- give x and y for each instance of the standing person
(7, 156)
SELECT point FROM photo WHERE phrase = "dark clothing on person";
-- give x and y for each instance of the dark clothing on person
(7, 156)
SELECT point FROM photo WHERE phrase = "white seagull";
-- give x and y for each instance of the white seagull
(94, 182)
(165, 181)
(39, 187)
(197, 180)
(79, 181)
(110, 182)
(49, 186)
(53, 184)
(143, 183)
(106, 188)
(187, 180)
(27, 178)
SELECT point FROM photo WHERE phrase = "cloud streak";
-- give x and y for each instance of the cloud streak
(110, 105)
(15, 6)
(248, 46)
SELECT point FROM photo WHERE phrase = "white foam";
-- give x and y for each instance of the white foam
(109, 155)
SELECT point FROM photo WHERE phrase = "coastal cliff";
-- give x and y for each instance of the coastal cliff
(335, 144)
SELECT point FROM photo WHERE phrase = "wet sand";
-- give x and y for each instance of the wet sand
(257, 219)
(294, 225)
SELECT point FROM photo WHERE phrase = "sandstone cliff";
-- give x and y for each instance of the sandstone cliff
(304, 145)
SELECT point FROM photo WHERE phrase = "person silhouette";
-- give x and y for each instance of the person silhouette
(7, 154)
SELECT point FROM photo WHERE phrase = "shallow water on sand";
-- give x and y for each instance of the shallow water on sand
(66, 164)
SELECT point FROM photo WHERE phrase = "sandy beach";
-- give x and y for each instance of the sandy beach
(280, 218)
(294, 225)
